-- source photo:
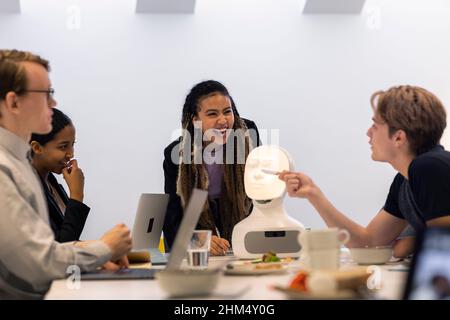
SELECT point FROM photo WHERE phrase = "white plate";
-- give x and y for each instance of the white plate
(295, 294)
(251, 269)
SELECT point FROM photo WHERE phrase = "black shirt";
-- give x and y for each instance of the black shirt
(426, 194)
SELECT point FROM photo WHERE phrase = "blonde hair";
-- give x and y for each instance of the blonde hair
(12, 73)
(414, 110)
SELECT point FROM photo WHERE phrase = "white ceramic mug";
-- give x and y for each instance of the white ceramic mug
(323, 239)
(321, 248)
(325, 259)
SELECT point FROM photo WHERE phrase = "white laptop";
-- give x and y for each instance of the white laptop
(186, 229)
(147, 229)
(179, 248)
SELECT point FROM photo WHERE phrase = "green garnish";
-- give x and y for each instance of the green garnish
(270, 257)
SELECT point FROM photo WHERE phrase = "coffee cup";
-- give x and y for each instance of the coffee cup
(323, 239)
(321, 249)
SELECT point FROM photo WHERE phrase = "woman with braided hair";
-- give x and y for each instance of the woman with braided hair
(210, 155)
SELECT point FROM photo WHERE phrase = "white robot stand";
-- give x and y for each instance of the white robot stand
(268, 227)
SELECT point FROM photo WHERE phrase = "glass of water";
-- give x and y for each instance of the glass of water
(198, 249)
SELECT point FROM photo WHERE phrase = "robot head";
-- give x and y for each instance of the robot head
(260, 185)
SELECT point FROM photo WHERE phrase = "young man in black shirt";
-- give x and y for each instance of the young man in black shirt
(408, 123)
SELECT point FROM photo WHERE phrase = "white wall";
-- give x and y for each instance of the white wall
(123, 77)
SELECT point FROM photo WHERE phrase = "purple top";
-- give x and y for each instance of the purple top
(215, 175)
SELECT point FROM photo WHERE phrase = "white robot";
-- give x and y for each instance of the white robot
(268, 227)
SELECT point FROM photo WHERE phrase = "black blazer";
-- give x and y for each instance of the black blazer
(174, 212)
(67, 226)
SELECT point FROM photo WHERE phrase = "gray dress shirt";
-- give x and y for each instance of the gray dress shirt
(30, 258)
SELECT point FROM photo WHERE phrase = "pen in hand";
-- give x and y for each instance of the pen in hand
(222, 243)
(270, 171)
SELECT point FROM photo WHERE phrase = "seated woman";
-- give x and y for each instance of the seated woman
(211, 156)
(53, 153)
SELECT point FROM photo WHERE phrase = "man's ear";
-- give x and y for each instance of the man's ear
(36, 147)
(11, 101)
(400, 137)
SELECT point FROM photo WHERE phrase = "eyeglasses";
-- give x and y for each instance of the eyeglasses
(50, 92)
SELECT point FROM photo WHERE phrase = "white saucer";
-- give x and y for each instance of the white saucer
(240, 268)
(295, 294)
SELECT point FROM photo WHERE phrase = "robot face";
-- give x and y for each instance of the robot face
(259, 184)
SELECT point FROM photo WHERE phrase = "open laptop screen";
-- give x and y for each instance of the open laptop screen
(184, 234)
(188, 223)
(429, 277)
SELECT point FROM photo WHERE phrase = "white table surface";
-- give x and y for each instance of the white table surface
(393, 277)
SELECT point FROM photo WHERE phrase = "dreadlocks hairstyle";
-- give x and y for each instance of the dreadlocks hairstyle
(234, 204)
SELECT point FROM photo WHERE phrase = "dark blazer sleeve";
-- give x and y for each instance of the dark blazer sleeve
(174, 211)
(74, 221)
(67, 227)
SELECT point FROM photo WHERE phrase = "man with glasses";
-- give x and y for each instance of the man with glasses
(50, 92)
(30, 258)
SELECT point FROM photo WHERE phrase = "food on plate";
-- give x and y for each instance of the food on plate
(270, 257)
(328, 282)
(299, 281)
(269, 261)
(268, 265)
